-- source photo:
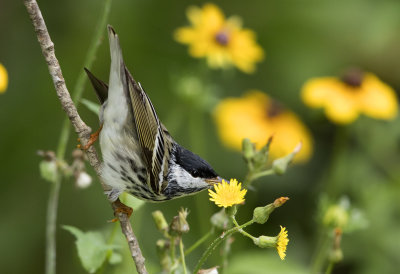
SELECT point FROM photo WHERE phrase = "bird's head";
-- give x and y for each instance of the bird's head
(190, 171)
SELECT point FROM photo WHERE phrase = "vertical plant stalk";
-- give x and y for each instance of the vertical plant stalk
(80, 127)
(217, 242)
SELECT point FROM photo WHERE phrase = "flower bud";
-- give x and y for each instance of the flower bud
(179, 225)
(336, 216)
(261, 214)
(248, 148)
(220, 220)
(48, 170)
(163, 253)
(265, 241)
(280, 165)
(160, 221)
(83, 180)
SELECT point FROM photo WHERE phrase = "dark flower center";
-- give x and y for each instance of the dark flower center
(274, 109)
(222, 37)
(353, 77)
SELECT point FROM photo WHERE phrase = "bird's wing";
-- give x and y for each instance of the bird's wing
(153, 136)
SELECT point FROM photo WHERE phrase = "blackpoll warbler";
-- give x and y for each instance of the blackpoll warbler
(139, 155)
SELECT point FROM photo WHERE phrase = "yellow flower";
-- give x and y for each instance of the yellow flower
(226, 195)
(345, 99)
(258, 117)
(3, 79)
(282, 243)
(222, 41)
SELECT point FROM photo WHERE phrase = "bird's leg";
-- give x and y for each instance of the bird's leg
(120, 208)
(93, 138)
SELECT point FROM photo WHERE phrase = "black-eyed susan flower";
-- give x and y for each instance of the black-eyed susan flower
(223, 42)
(227, 195)
(3, 79)
(354, 94)
(257, 117)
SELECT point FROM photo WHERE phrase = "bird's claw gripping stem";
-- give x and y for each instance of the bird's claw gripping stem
(120, 208)
(93, 138)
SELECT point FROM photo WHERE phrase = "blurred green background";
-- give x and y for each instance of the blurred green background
(301, 39)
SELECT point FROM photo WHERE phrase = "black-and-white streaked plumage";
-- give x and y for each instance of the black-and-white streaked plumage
(139, 155)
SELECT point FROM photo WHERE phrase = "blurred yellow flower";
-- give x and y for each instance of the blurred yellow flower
(282, 243)
(227, 195)
(258, 117)
(3, 79)
(222, 41)
(345, 99)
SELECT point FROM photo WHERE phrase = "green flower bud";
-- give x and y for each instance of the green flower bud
(336, 216)
(261, 214)
(160, 221)
(48, 170)
(265, 241)
(220, 220)
(280, 165)
(163, 253)
(179, 225)
(336, 255)
(249, 149)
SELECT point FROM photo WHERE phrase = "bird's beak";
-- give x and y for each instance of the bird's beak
(215, 180)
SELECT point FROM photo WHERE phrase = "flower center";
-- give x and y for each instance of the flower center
(222, 37)
(353, 78)
(274, 109)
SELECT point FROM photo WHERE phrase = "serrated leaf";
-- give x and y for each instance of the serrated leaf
(48, 170)
(131, 201)
(92, 106)
(92, 248)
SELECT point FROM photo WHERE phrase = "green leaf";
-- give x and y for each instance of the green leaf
(131, 201)
(115, 258)
(92, 106)
(48, 170)
(92, 248)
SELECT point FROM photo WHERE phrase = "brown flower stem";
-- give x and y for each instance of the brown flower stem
(80, 127)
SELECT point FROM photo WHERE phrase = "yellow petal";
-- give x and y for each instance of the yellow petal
(342, 108)
(378, 100)
(3, 78)
(318, 91)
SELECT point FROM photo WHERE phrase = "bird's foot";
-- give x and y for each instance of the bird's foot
(120, 208)
(93, 138)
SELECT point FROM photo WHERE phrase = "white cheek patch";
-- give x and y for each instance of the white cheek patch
(184, 179)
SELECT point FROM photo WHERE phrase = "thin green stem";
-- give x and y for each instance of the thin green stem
(52, 206)
(172, 246)
(199, 242)
(330, 267)
(262, 174)
(51, 222)
(182, 255)
(110, 241)
(241, 230)
(321, 253)
(216, 242)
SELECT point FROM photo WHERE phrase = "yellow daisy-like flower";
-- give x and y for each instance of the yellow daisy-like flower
(222, 41)
(345, 99)
(227, 195)
(282, 243)
(257, 117)
(3, 79)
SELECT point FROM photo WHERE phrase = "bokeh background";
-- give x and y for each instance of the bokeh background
(301, 39)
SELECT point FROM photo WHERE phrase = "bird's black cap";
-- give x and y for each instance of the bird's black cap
(194, 164)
